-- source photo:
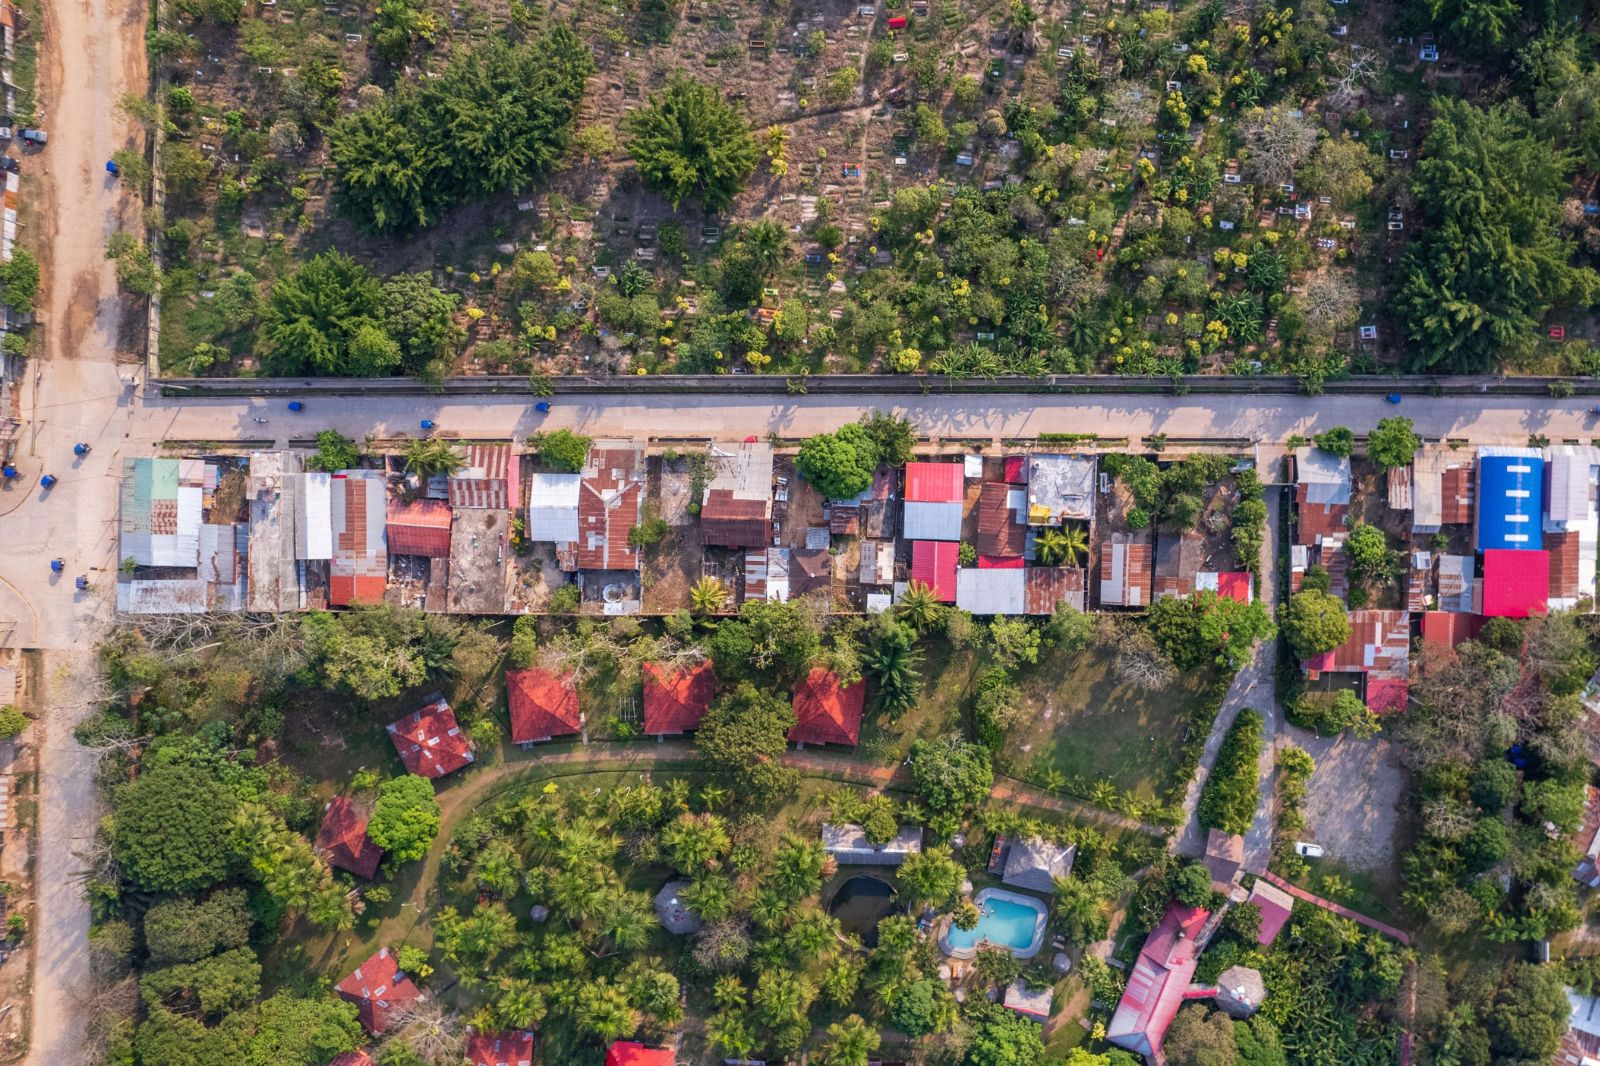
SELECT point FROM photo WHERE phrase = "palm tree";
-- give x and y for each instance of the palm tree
(520, 1005)
(729, 1030)
(920, 606)
(768, 244)
(850, 1042)
(1062, 547)
(427, 456)
(707, 596)
(728, 992)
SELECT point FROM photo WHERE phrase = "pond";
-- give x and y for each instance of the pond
(861, 903)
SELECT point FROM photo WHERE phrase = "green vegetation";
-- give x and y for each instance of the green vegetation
(1228, 801)
(692, 142)
(562, 450)
(1314, 621)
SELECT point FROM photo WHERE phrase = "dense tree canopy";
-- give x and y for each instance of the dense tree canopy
(1314, 621)
(171, 828)
(746, 732)
(406, 817)
(692, 142)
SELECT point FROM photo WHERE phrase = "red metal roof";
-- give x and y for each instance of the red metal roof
(542, 705)
(491, 479)
(608, 508)
(1456, 492)
(825, 712)
(935, 483)
(1047, 586)
(1275, 905)
(342, 839)
(420, 527)
(1157, 982)
(500, 1049)
(379, 991)
(1564, 555)
(676, 699)
(1234, 585)
(989, 562)
(1379, 644)
(430, 741)
(1016, 470)
(1516, 582)
(358, 573)
(1445, 630)
(1386, 694)
(633, 1053)
(999, 533)
(933, 562)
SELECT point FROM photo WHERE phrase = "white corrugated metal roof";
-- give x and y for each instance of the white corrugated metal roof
(553, 508)
(314, 530)
(932, 521)
(991, 591)
(1325, 475)
(1571, 475)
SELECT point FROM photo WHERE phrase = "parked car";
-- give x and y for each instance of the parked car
(35, 136)
(5, 133)
(1307, 850)
(8, 163)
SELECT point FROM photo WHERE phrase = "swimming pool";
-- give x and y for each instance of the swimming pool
(1008, 920)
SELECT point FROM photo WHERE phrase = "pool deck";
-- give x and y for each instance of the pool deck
(1042, 916)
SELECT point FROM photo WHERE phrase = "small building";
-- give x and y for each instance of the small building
(359, 570)
(673, 913)
(491, 479)
(1444, 631)
(810, 570)
(431, 742)
(1567, 566)
(991, 591)
(1441, 489)
(1002, 521)
(342, 839)
(1275, 905)
(1580, 1044)
(1060, 489)
(1379, 651)
(675, 698)
(935, 493)
(380, 992)
(1035, 863)
(610, 496)
(161, 505)
(736, 511)
(1322, 495)
(1456, 577)
(543, 706)
(276, 577)
(1516, 582)
(1125, 570)
(766, 574)
(633, 1053)
(313, 511)
(827, 712)
(1398, 484)
(1157, 982)
(1572, 522)
(877, 563)
(1031, 1003)
(849, 846)
(1047, 587)
(1510, 499)
(1224, 855)
(419, 527)
(500, 1049)
(1178, 561)
(934, 562)
(1240, 992)
(553, 514)
(1236, 585)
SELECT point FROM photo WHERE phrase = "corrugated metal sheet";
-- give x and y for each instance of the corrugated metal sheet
(766, 574)
(992, 591)
(490, 480)
(313, 512)
(932, 521)
(934, 483)
(1399, 480)
(1510, 499)
(934, 564)
(553, 508)
(877, 562)
(1125, 566)
(1570, 483)
(359, 569)
(1047, 586)
(187, 595)
(1325, 476)
(1456, 574)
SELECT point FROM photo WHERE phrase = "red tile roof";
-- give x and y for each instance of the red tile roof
(825, 712)
(379, 991)
(500, 1049)
(1000, 535)
(542, 705)
(933, 562)
(420, 527)
(676, 699)
(1157, 982)
(342, 840)
(430, 742)
(1516, 582)
(935, 483)
(608, 508)
(633, 1053)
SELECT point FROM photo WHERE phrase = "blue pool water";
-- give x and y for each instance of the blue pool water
(1003, 922)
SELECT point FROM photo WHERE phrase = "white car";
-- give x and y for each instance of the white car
(1307, 850)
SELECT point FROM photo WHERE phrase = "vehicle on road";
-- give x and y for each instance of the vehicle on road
(1307, 850)
(1393, 397)
(57, 565)
(296, 405)
(48, 481)
(82, 449)
(427, 423)
(543, 407)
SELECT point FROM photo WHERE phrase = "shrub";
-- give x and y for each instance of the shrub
(1228, 801)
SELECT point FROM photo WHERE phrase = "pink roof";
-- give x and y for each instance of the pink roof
(379, 991)
(430, 741)
(1275, 905)
(500, 1049)
(826, 712)
(1016, 470)
(935, 482)
(1516, 583)
(633, 1053)
(933, 562)
(1387, 693)
(1158, 981)
(989, 562)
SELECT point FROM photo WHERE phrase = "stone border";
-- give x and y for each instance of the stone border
(1041, 919)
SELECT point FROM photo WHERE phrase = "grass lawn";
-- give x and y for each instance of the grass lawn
(947, 677)
(1087, 726)
(1363, 891)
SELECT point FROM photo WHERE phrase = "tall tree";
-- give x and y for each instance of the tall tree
(692, 142)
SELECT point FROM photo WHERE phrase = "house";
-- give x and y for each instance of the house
(933, 562)
(1035, 863)
(1516, 582)
(766, 574)
(675, 698)
(500, 1049)
(1566, 569)
(877, 562)
(1398, 484)
(1456, 577)
(1321, 494)
(810, 570)
(1572, 522)
(430, 742)
(736, 510)
(202, 556)
(359, 570)
(1510, 499)
(1275, 905)
(1031, 1003)
(848, 845)
(343, 842)
(1580, 1044)
(491, 479)
(1224, 855)
(1378, 650)
(275, 576)
(543, 706)
(993, 591)
(1419, 580)
(553, 514)
(825, 711)
(1441, 489)
(419, 527)
(162, 501)
(673, 913)
(633, 1053)
(1158, 981)
(1125, 565)
(1178, 560)
(610, 495)
(1046, 587)
(380, 992)
(1236, 585)
(1060, 489)
(1002, 526)
(1443, 631)
(934, 496)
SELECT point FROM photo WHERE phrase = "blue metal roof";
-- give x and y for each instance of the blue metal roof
(1510, 498)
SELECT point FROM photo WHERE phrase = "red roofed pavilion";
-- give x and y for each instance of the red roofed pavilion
(633, 1053)
(379, 991)
(543, 705)
(675, 699)
(825, 711)
(500, 1049)
(1157, 982)
(343, 842)
(430, 741)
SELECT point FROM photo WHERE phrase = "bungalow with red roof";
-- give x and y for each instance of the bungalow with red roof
(543, 706)
(379, 991)
(676, 698)
(500, 1049)
(1379, 650)
(1158, 982)
(1275, 905)
(825, 711)
(343, 842)
(935, 493)
(419, 527)
(934, 562)
(633, 1053)
(430, 741)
